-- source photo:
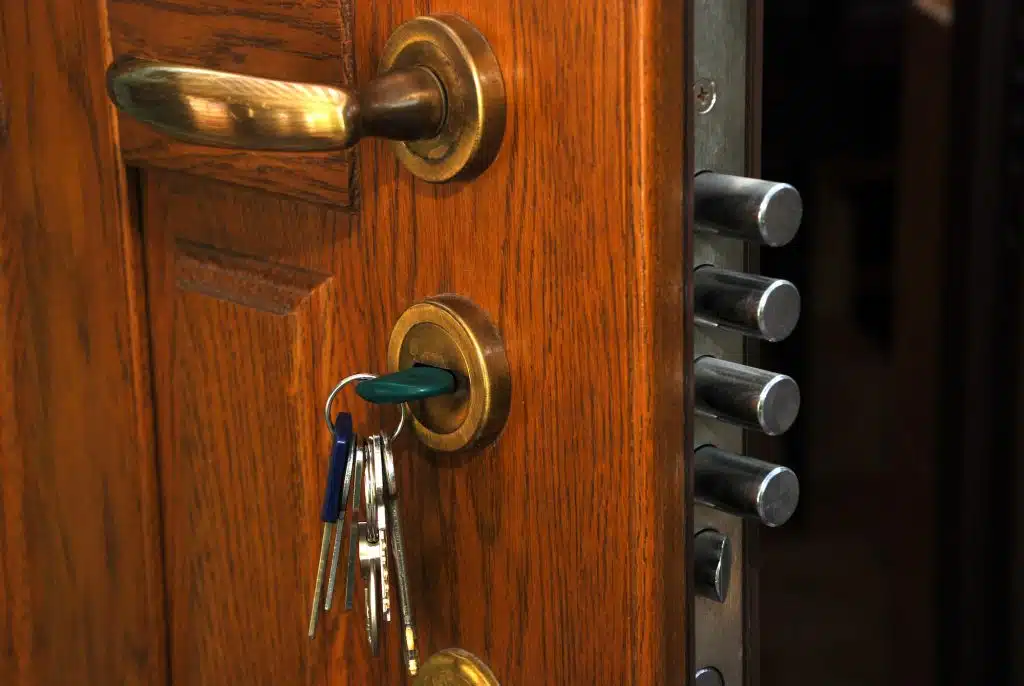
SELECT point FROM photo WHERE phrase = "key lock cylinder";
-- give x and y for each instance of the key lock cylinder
(450, 378)
(448, 364)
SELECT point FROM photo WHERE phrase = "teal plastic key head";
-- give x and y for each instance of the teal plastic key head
(414, 383)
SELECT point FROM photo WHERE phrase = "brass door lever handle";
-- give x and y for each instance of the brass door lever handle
(439, 95)
(228, 110)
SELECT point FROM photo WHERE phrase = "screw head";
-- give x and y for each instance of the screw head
(705, 94)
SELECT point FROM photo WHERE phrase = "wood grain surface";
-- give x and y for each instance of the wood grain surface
(559, 555)
(245, 289)
(81, 598)
(308, 41)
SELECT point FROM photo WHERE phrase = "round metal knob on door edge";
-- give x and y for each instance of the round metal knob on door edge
(451, 332)
(745, 486)
(765, 212)
(745, 396)
(750, 304)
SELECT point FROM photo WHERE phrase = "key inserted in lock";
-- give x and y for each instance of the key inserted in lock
(448, 334)
(418, 382)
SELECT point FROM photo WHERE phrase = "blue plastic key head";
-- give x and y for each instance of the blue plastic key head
(331, 508)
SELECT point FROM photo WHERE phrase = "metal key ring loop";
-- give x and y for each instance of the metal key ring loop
(345, 382)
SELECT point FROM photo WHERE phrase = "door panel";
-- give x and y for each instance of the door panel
(246, 308)
(238, 341)
(560, 553)
(81, 597)
(570, 531)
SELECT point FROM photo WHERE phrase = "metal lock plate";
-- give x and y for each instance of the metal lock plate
(450, 332)
(720, 144)
(455, 667)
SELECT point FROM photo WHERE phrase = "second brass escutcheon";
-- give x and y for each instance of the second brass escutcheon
(455, 667)
(451, 332)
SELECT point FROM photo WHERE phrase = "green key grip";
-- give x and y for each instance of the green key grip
(414, 383)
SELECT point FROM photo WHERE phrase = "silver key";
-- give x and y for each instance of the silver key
(409, 652)
(321, 568)
(353, 538)
(370, 491)
(339, 525)
(369, 565)
(380, 502)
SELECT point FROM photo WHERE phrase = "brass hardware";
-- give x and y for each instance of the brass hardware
(222, 109)
(459, 55)
(451, 332)
(439, 95)
(455, 667)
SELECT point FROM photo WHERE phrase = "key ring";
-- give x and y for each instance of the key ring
(346, 381)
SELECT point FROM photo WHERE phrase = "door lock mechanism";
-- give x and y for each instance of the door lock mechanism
(451, 333)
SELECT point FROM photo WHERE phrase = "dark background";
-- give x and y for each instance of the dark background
(902, 124)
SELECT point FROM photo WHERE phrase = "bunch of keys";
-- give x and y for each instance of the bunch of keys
(365, 468)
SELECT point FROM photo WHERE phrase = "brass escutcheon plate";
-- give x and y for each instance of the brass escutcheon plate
(451, 332)
(463, 62)
(455, 667)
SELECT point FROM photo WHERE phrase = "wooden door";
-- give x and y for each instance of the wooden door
(174, 317)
